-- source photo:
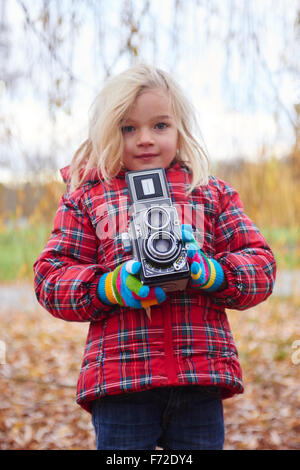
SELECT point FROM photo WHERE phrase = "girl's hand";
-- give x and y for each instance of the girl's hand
(206, 273)
(122, 287)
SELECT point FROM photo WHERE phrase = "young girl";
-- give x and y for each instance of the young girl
(154, 379)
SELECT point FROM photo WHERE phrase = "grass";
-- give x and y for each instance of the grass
(20, 247)
(285, 243)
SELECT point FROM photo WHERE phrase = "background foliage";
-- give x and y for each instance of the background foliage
(39, 46)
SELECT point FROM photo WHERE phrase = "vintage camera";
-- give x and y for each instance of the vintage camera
(154, 233)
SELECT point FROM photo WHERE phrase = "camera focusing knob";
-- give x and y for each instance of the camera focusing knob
(179, 263)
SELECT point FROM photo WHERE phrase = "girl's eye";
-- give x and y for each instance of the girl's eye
(161, 125)
(126, 129)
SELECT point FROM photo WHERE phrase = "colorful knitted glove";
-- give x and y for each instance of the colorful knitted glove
(122, 287)
(206, 273)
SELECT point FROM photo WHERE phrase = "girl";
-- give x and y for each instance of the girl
(159, 380)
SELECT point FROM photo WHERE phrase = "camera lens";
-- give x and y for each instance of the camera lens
(162, 247)
(157, 217)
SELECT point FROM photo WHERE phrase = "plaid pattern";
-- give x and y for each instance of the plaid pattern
(188, 340)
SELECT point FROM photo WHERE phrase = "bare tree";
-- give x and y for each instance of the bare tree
(51, 32)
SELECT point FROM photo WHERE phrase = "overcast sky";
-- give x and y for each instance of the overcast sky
(235, 103)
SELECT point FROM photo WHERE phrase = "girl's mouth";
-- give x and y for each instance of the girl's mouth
(147, 155)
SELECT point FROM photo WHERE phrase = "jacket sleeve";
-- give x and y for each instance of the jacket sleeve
(66, 273)
(247, 260)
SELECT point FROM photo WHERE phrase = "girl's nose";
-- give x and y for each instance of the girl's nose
(144, 137)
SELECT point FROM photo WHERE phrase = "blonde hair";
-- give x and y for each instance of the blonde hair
(104, 147)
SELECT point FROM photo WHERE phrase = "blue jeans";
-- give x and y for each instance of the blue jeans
(175, 418)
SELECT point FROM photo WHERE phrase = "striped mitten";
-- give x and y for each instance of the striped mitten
(122, 287)
(206, 273)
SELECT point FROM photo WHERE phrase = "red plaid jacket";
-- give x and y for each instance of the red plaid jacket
(188, 340)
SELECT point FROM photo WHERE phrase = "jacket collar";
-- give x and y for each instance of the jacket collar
(94, 175)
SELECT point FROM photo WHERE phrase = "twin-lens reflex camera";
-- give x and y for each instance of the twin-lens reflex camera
(154, 233)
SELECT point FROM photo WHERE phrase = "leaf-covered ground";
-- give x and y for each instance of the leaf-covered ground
(43, 356)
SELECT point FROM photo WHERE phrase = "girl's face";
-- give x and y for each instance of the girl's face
(149, 133)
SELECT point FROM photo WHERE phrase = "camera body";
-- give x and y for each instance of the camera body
(154, 233)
